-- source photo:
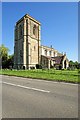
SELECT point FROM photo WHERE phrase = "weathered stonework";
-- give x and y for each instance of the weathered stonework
(27, 42)
(28, 51)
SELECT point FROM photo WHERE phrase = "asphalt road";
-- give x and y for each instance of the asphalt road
(32, 98)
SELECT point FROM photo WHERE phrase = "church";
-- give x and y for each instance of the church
(28, 51)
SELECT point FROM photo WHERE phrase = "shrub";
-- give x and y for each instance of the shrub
(38, 66)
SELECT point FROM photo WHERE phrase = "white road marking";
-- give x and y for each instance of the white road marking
(30, 88)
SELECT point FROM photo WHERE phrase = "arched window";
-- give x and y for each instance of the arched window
(50, 53)
(34, 48)
(45, 52)
(54, 53)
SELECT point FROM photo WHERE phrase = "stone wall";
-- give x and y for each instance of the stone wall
(48, 51)
(18, 48)
(27, 42)
(44, 62)
(34, 43)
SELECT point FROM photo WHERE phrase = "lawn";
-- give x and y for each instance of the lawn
(54, 75)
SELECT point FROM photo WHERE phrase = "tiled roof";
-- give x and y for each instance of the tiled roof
(58, 59)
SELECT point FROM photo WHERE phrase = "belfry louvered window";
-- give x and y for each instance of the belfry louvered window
(34, 29)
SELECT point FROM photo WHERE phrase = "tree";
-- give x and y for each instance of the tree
(10, 61)
(71, 63)
(3, 56)
(76, 64)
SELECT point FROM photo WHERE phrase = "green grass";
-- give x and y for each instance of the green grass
(58, 75)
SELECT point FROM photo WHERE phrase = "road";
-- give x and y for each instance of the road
(32, 98)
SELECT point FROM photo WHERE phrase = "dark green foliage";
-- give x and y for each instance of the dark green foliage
(73, 65)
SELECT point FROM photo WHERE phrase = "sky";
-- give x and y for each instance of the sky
(59, 24)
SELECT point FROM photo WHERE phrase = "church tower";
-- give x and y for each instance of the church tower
(27, 43)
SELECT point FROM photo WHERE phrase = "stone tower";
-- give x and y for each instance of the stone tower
(27, 43)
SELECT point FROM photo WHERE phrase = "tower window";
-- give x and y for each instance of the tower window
(34, 29)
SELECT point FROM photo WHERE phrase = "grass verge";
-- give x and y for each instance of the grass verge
(53, 75)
